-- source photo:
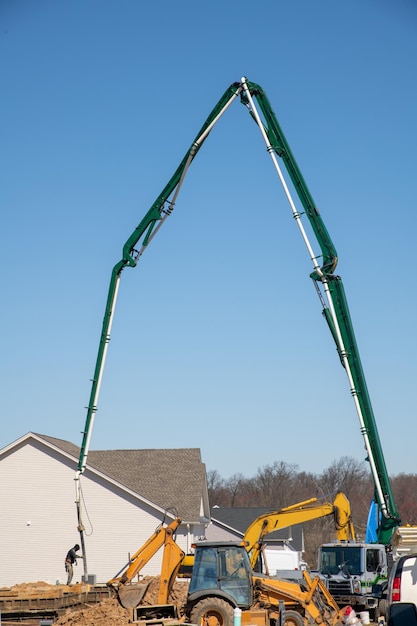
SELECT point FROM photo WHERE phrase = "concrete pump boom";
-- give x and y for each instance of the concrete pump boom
(333, 300)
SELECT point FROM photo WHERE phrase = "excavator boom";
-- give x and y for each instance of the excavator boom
(297, 514)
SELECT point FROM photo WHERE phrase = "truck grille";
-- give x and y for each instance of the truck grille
(339, 587)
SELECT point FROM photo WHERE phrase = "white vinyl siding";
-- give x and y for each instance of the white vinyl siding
(38, 519)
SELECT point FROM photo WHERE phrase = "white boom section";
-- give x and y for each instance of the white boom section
(99, 380)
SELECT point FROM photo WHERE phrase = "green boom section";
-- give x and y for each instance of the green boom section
(329, 262)
(386, 524)
(162, 207)
(283, 150)
(142, 233)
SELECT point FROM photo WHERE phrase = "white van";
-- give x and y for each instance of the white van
(402, 592)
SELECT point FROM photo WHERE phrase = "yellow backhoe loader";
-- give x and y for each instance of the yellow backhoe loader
(223, 580)
(222, 576)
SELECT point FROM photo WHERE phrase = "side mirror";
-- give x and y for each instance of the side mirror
(402, 613)
(377, 591)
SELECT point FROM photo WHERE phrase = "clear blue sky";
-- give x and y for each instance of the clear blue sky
(218, 340)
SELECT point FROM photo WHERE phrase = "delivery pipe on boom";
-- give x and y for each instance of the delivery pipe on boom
(335, 308)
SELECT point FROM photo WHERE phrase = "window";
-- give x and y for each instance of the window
(372, 560)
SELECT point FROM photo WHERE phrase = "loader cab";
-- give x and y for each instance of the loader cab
(224, 570)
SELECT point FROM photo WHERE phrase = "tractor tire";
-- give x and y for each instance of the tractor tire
(292, 618)
(212, 612)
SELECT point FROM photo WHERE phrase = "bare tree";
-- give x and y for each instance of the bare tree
(216, 488)
(404, 487)
(281, 484)
(305, 487)
(343, 475)
(233, 487)
(275, 484)
(353, 478)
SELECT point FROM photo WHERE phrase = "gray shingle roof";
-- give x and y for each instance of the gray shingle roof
(171, 478)
(67, 446)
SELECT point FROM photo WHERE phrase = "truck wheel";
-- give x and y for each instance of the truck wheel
(292, 618)
(212, 612)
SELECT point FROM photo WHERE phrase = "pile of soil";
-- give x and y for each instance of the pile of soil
(108, 612)
(28, 589)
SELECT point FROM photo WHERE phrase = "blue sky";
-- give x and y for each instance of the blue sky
(218, 340)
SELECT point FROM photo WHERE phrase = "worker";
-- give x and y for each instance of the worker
(70, 559)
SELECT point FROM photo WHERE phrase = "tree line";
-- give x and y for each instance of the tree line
(282, 484)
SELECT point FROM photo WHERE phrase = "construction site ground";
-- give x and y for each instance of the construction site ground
(38, 603)
(42, 604)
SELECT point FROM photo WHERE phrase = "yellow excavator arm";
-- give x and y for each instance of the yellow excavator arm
(130, 594)
(297, 514)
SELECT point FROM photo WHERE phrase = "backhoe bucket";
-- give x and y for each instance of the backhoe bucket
(131, 595)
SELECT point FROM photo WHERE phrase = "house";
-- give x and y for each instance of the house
(126, 494)
(283, 548)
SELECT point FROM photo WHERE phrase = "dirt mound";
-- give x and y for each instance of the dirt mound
(178, 595)
(107, 613)
(110, 613)
(28, 588)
